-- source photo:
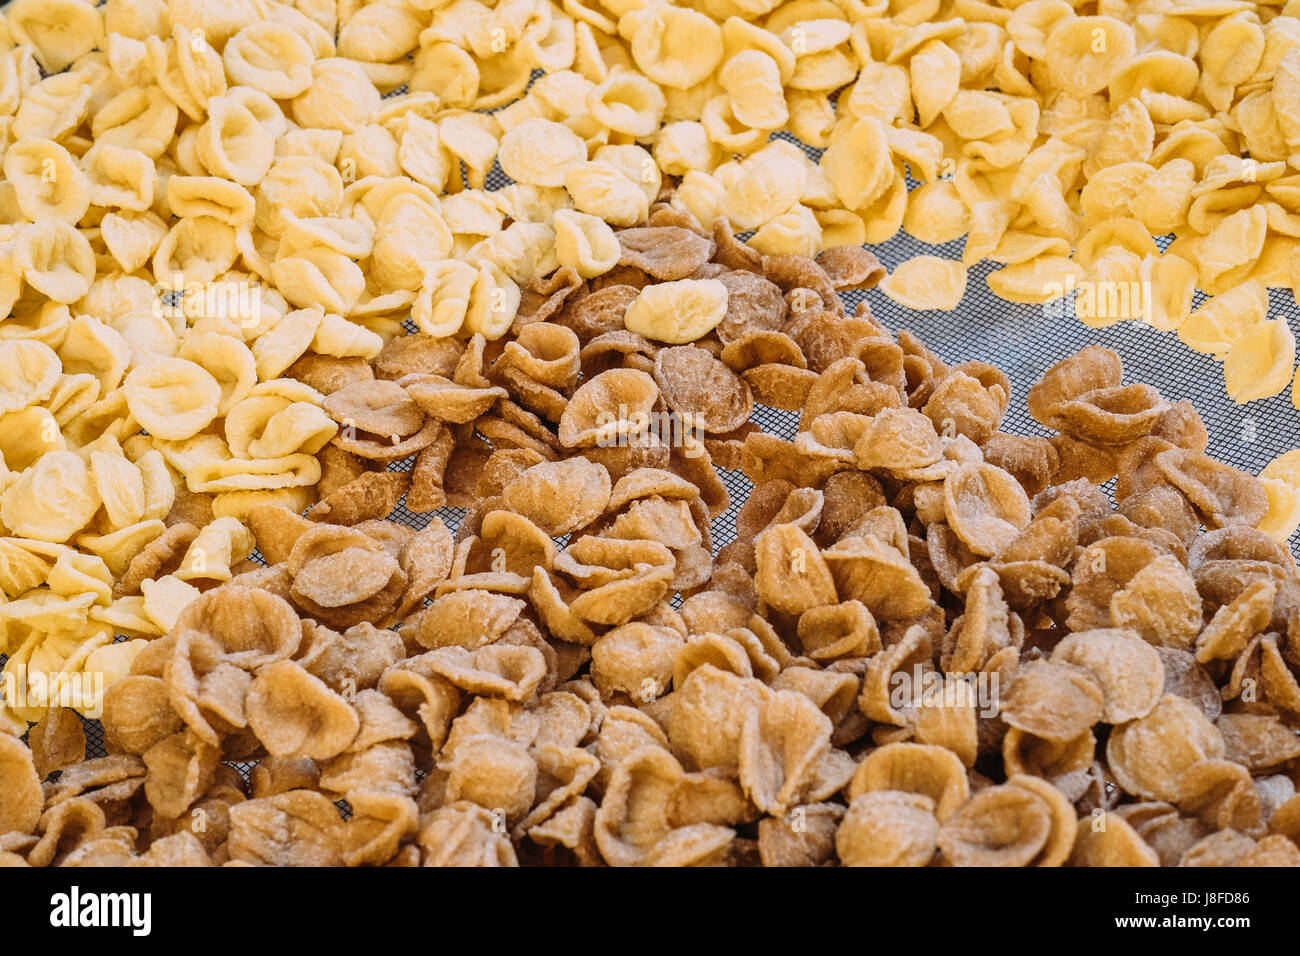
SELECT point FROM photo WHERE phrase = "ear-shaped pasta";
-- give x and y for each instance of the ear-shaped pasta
(549, 46)
(674, 46)
(195, 249)
(271, 58)
(29, 371)
(219, 545)
(120, 486)
(380, 33)
(678, 312)
(227, 360)
(602, 190)
(301, 186)
(795, 233)
(92, 347)
(586, 243)
(53, 107)
(340, 97)
(473, 139)
(449, 71)
(342, 338)
(443, 300)
(72, 395)
(770, 186)
(539, 152)
(271, 426)
(132, 237)
(159, 492)
(319, 276)
(120, 178)
(409, 235)
(493, 303)
(265, 110)
(187, 69)
(171, 398)
(285, 341)
(233, 144)
(60, 31)
(353, 237)
(370, 151)
(52, 500)
(254, 474)
(524, 250)
(47, 182)
(210, 196)
(627, 103)
(502, 78)
(1083, 53)
(858, 164)
(128, 59)
(137, 118)
(421, 152)
(27, 434)
(752, 81)
(935, 72)
(683, 146)
(322, 144)
(56, 260)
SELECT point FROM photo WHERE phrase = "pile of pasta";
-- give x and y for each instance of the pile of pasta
(1057, 140)
(257, 295)
(931, 642)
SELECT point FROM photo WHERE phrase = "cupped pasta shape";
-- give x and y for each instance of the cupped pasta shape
(60, 31)
(678, 312)
(448, 70)
(344, 338)
(55, 259)
(319, 276)
(197, 249)
(52, 500)
(493, 302)
(92, 347)
(608, 409)
(603, 190)
(211, 196)
(302, 186)
(228, 360)
(47, 182)
(272, 426)
(408, 236)
(172, 398)
(120, 178)
(29, 371)
(539, 152)
(627, 103)
(233, 144)
(137, 118)
(442, 303)
(927, 282)
(271, 58)
(586, 243)
(1083, 54)
(674, 46)
(752, 81)
(340, 97)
